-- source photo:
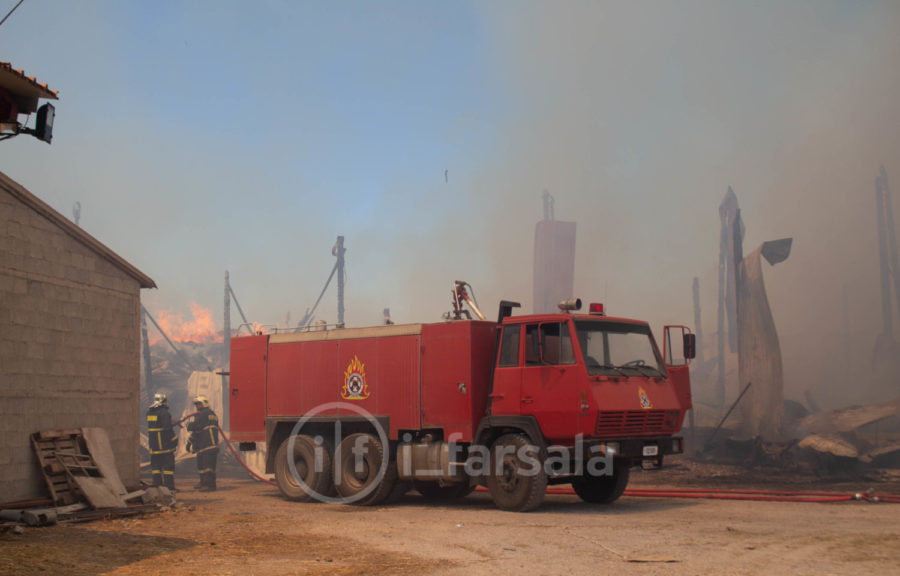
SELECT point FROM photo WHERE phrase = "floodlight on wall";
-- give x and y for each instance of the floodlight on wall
(43, 129)
(20, 95)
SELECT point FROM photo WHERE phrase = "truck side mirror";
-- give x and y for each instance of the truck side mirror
(690, 346)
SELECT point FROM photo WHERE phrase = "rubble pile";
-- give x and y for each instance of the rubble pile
(79, 470)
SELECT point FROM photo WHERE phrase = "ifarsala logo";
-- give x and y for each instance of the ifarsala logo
(359, 462)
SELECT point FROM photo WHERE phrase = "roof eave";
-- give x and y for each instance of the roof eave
(69, 227)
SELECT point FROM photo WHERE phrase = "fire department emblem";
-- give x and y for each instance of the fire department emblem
(355, 387)
(645, 400)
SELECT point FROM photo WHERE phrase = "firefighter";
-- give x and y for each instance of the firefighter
(163, 442)
(204, 442)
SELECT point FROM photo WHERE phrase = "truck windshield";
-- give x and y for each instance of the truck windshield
(618, 348)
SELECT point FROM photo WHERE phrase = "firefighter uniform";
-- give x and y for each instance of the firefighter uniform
(204, 442)
(163, 442)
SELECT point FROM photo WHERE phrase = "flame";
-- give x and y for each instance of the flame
(201, 329)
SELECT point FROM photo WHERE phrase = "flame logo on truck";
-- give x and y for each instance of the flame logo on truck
(645, 400)
(355, 387)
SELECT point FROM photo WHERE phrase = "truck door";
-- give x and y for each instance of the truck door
(507, 372)
(550, 379)
(247, 404)
(678, 349)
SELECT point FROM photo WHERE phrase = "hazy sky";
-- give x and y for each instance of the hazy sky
(204, 136)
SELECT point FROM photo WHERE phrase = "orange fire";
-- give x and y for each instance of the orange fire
(201, 329)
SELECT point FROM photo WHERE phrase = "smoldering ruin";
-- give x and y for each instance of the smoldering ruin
(726, 169)
(746, 410)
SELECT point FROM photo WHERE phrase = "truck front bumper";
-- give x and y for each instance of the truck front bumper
(650, 448)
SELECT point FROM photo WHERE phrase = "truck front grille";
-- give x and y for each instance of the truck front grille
(635, 422)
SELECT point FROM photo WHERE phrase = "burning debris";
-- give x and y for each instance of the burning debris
(176, 349)
(770, 429)
(200, 329)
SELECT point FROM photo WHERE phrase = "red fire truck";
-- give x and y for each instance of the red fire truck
(365, 414)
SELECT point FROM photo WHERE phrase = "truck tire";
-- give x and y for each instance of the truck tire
(604, 489)
(355, 473)
(317, 478)
(517, 484)
(434, 492)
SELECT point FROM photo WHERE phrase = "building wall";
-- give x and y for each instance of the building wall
(69, 346)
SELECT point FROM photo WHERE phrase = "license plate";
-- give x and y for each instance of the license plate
(651, 450)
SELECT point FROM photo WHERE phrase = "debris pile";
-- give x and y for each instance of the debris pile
(854, 440)
(849, 433)
(80, 473)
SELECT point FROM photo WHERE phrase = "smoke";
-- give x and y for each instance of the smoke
(220, 139)
(639, 116)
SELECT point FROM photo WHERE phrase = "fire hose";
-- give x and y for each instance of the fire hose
(693, 493)
(230, 447)
(752, 495)
(239, 459)
(689, 493)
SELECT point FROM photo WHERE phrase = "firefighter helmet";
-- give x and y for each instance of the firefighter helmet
(159, 399)
(202, 401)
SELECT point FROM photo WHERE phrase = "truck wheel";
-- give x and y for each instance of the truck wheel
(357, 465)
(316, 475)
(434, 492)
(517, 480)
(603, 489)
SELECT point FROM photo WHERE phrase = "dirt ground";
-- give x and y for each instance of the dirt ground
(247, 529)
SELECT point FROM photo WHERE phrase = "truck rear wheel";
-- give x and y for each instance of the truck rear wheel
(316, 475)
(604, 489)
(358, 465)
(517, 480)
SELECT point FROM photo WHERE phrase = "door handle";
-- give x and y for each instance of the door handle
(527, 400)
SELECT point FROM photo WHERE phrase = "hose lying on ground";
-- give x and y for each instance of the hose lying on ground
(698, 493)
(753, 495)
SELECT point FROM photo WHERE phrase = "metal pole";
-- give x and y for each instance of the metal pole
(227, 338)
(339, 251)
(145, 350)
(888, 315)
(845, 340)
(310, 313)
(725, 417)
(226, 409)
(892, 236)
(240, 310)
(698, 325)
(723, 246)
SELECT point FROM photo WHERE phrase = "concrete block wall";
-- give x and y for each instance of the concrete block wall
(69, 346)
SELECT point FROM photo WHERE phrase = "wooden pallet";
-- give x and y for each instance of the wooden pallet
(63, 455)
